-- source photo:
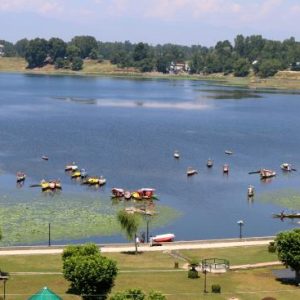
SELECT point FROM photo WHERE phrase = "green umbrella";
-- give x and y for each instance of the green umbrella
(45, 294)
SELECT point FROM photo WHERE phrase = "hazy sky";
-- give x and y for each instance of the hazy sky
(154, 21)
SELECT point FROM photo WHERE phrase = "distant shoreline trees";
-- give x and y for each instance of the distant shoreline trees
(246, 55)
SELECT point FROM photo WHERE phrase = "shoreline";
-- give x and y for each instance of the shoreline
(282, 81)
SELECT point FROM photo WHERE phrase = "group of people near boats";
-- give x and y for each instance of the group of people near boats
(141, 194)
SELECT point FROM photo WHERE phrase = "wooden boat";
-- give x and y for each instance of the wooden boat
(226, 168)
(144, 193)
(95, 181)
(283, 215)
(162, 238)
(190, 171)
(209, 163)
(76, 174)
(50, 185)
(250, 191)
(71, 167)
(117, 193)
(228, 152)
(286, 167)
(20, 177)
(176, 154)
(265, 173)
(44, 157)
(127, 195)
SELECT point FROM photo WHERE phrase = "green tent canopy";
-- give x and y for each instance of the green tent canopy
(45, 294)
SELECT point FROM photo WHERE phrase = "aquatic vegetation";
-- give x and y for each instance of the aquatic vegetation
(71, 217)
(289, 199)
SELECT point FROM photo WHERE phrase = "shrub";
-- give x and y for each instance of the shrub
(216, 288)
(272, 247)
(193, 274)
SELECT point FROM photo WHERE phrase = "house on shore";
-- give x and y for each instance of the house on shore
(1, 50)
(178, 67)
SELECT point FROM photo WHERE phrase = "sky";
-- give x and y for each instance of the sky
(185, 22)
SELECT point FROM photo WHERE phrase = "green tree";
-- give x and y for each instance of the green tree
(268, 67)
(91, 274)
(130, 224)
(288, 248)
(72, 51)
(85, 43)
(94, 54)
(21, 47)
(57, 48)
(36, 52)
(9, 49)
(77, 64)
(241, 67)
(59, 63)
(143, 57)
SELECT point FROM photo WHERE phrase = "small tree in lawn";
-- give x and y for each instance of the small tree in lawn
(91, 274)
(288, 249)
(130, 224)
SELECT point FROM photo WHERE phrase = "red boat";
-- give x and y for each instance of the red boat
(162, 238)
(144, 193)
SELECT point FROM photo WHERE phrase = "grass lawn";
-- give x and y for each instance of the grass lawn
(155, 270)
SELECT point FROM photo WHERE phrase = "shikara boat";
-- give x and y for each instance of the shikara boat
(44, 157)
(95, 181)
(228, 152)
(209, 163)
(250, 191)
(265, 173)
(190, 171)
(20, 177)
(71, 167)
(117, 193)
(225, 168)
(286, 167)
(283, 215)
(176, 154)
(144, 193)
(50, 185)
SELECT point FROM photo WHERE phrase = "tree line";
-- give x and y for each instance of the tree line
(253, 53)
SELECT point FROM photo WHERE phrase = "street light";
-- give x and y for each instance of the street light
(241, 224)
(147, 218)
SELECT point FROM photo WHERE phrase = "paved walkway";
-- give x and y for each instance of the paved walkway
(189, 245)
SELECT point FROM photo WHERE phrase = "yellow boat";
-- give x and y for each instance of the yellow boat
(76, 174)
(136, 196)
(50, 185)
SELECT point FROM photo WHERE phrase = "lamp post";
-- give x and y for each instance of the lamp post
(49, 234)
(147, 218)
(204, 291)
(241, 224)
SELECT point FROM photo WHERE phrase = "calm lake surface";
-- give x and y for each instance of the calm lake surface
(127, 130)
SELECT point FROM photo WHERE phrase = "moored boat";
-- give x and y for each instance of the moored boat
(226, 168)
(190, 171)
(265, 173)
(209, 163)
(95, 181)
(117, 193)
(162, 238)
(176, 154)
(250, 191)
(20, 177)
(50, 185)
(44, 157)
(76, 174)
(286, 167)
(283, 215)
(228, 152)
(71, 167)
(127, 195)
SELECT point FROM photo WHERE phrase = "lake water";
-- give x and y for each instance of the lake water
(127, 130)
